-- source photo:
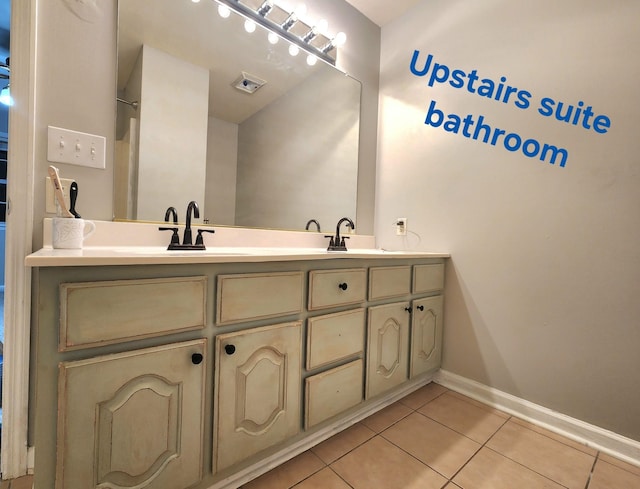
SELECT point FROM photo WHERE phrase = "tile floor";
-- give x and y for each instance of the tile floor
(436, 438)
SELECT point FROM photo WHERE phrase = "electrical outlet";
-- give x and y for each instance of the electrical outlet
(50, 196)
(401, 226)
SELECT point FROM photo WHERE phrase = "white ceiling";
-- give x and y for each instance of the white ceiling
(383, 11)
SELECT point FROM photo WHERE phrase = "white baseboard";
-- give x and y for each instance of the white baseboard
(593, 436)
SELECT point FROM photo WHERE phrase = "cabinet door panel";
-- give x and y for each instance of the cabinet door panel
(426, 335)
(257, 390)
(133, 419)
(388, 343)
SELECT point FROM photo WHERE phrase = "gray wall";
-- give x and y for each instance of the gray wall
(75, 88)
(542, 292)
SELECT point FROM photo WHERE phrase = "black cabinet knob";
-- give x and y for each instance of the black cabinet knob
(197, 358)
(343, 286)
(420, 308)
(229, 349)
(408, 309)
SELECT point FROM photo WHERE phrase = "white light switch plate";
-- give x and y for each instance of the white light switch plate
(76, 148)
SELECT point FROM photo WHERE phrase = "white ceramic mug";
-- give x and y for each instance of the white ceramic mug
(68, 233)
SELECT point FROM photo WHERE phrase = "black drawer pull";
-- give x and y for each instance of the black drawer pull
(343, 286)
(197, 358)
(420, 308)
(229, 349)
(408, 309)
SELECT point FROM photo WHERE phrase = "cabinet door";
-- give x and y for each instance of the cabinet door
(387, 347)
(426, 335)
(258, 382)
(133, 419)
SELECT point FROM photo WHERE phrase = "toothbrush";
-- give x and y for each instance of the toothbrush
(55, 180)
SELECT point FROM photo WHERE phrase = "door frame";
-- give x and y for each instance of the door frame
(17, 458)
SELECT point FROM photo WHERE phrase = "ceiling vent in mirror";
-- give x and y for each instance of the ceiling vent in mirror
(248, 83)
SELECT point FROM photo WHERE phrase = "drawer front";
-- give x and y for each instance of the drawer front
(245, 297)
(389, 282)
(334, 337)
(102, 313)
(428, 278)
(330, 288)
(332, 392)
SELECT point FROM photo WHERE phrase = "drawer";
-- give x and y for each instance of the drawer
(428, 278)
(331, 288)
(332, 392)
(245, 297)
(389, 282)
(334, 337)
(102, 313)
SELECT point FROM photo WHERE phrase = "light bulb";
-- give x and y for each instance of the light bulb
(322, 26)
(312, 59)
(273, 38)
(294, 50)
(224, 11)
(249, 26)
(5, 97)
(340, 39)
(195, 1)
(300, 10)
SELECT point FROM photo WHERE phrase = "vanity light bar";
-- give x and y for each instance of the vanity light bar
(260, 15)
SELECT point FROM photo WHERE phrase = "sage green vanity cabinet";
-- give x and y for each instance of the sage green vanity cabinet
(387, 347)
(132, 419)
(258, 390)
(426, 335)
(204, 375)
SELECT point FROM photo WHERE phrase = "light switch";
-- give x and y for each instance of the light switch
(76, 148)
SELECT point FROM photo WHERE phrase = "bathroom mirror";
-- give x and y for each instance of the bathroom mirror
(187, 128)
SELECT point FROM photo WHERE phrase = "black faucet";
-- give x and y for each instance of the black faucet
(187, 241)
(312, 221)
(336, 243)
(171, 211)
(192, 208)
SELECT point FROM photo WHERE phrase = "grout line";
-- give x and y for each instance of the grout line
(593, 467)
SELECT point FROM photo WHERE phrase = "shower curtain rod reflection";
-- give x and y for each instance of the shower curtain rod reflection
(132, 104)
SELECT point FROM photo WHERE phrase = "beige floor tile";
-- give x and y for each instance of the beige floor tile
(634, 469)
(5, 484)
(549, 457)
(289, 473)
(325, 479)
(345, 441)
(384, 418)
(464, 417)
(555, 436)
(441, 448)
(609, 476)
(25, 482)
(423, 395)
(490, 470)
(378, 464)
(451, 485)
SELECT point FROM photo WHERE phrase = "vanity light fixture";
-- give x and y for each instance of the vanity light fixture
(336, 42)
(312, 38)
(265, 8)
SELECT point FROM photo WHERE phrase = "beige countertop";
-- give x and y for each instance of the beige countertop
(159, 255)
